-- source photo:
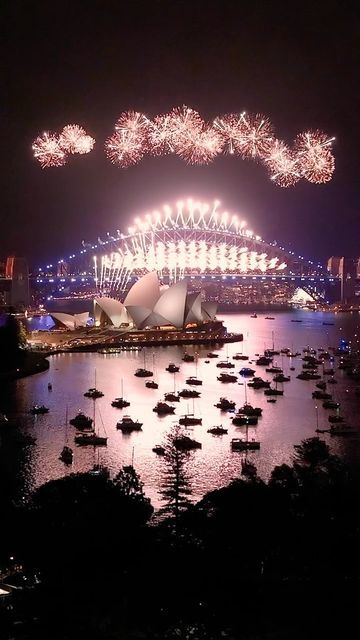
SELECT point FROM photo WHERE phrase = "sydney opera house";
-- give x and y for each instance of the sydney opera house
(146, 306)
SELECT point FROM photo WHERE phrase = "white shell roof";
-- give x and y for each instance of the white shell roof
(145, 292)
(172, 304)
(193, 308)
(114, 310)
(64, 318)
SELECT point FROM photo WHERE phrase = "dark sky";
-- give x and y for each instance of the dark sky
(85, 62)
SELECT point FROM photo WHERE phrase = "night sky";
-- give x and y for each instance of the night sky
(85, 62)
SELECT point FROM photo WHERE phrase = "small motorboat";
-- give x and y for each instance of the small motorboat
(207, 361)
(292, 368)
(187, 357)
(217, 431)
(211, 354)
(127, 424)
(269, 318)
(67, 455)
(272, 400)
(321, 385)
(263, 361)
(172, 368)
(246, 372)
(162, 408)
(151, 384)
(274, 369)
(39, 409)
(240, 356)
(254, 315)
(159, 450)
(259, 383)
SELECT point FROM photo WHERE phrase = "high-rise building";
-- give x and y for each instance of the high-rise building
(14, 282)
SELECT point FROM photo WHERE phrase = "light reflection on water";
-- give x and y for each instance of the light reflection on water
(283, 424)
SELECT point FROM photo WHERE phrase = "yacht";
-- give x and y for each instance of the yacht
(127, 424)
(185, 443)
(227, 377)
(81, 421)
(187, 357)
(239, 444)
(249, 410)
(242, 420)
(331, 404)
(273, 392)
(211, 354)
(259, 383)
(335, 419)
(281, 378)
(120, 403)
(263, 361)
(240, 356)
(172, 368)
(163, 408)
(151, 384)
(93, 393)
(225, 405)
(90, 439)
(225, 364)
(143, 373)
(171, 397)
(189, 393)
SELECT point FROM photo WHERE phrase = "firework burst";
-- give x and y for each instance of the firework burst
(203, 148)
(48, 152)
(124, 149)
(256, 135)
(283, 164)
(317, 161)
(74, 139)
(160, 135)
(230, 129)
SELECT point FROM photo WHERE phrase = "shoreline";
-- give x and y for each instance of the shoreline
(33, 363)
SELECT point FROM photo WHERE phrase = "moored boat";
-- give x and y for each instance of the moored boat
(127, 424)
(163, 408)
(225, 405)
(217, 431)
(227, 377)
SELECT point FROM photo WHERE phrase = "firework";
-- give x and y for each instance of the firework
(134, 123)
(48, 151)
(74, 139)
(317, 161)
(160, 135)
(283, 164)
(230, 129)
(124, 149)
(256, 135)
(205, 146)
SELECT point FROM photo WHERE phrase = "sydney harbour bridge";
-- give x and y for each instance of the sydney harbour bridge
(197, 240)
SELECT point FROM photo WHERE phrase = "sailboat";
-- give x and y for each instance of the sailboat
(120, 403)
(247, 409)
(91, 437)
(194, 380)
(239, 444)
(67, 453)
(172, 396)
(274, 392)
(151, 384)
(93, 392)
(143, 372)
(188, 419)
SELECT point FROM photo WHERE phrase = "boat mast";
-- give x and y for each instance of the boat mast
(245, 391)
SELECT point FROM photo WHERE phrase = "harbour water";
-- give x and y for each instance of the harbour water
(283, 424)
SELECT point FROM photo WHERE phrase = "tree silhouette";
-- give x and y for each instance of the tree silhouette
(176, 481)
